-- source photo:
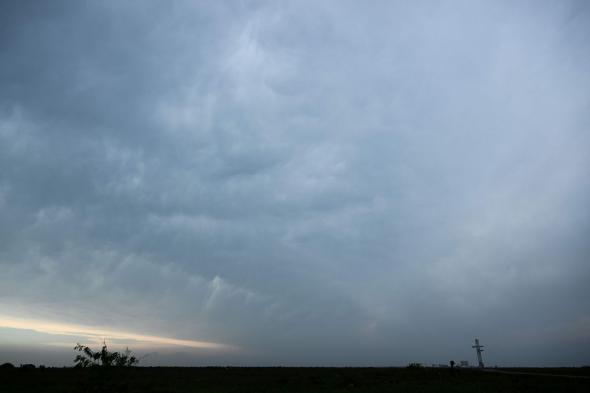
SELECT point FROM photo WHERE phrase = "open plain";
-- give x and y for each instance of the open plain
(235, 379)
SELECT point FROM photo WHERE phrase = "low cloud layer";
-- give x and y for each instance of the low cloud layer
(314, 183)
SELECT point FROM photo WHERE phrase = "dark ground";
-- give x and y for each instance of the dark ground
(146, 379)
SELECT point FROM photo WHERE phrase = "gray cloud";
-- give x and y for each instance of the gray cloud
(314, 183)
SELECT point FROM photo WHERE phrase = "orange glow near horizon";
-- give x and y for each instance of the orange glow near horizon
(98, 335)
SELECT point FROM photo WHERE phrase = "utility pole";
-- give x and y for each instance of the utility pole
(479, 350)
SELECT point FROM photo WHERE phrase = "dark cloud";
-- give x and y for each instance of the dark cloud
(315, 184)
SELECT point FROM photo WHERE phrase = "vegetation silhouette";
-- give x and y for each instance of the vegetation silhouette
(103, 358)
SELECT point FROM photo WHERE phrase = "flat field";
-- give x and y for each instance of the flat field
(235, 379)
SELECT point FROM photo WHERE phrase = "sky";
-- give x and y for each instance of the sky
(292, 183)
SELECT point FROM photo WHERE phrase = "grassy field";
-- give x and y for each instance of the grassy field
(145, 379)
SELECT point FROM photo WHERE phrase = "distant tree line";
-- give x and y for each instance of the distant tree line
(89, 358)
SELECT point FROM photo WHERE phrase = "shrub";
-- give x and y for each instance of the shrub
(103, 358)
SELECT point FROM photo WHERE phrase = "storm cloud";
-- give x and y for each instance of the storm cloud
(314, 183)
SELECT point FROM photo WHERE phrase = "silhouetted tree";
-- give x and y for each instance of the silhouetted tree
(103, 358)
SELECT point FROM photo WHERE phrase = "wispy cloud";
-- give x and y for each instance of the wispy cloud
(97, 336)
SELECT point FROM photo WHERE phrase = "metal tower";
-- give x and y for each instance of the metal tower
(479, 350)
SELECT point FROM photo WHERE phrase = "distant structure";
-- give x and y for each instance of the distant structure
(27, 366)
(479, 350)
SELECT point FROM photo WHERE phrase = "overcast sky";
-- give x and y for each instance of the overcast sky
(296, 183)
